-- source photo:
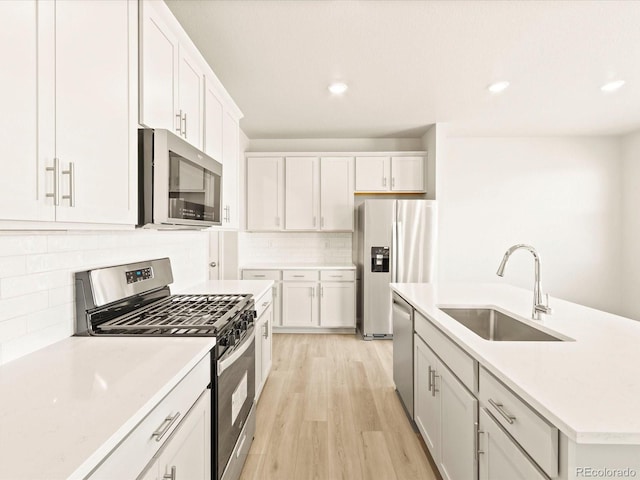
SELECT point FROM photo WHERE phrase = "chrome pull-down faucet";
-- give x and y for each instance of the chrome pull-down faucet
(538, 307)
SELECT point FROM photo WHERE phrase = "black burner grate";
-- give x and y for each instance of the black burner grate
(180, 314)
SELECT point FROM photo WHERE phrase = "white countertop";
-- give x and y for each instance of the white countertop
(588, 388)
(257, 288)
(299, 266)
(65, 407)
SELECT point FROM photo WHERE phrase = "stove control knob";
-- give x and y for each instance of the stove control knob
(244, 325)
(224, 341)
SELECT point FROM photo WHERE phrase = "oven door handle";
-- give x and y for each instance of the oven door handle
(237, 352)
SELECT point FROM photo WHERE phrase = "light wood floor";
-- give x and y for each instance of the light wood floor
(329, 411)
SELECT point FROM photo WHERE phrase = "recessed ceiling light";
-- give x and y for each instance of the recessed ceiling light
(612, 86)
(498, 87)
(338, 88)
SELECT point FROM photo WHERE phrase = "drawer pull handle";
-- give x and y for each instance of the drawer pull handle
(335, 276)
(171, 475)
(500, 408)
(164, 427)
(298, 276)
(259, 276)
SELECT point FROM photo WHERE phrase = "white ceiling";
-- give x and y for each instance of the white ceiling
(410, 64)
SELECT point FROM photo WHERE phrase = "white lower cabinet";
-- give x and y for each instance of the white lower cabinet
(314, 299)
(176, 432)
(299, 304)
(499, 457)
(446, 413)
(187, 453)
(263, 330)
(337, 304)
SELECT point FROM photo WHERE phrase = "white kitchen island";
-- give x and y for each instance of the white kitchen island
(588, 386)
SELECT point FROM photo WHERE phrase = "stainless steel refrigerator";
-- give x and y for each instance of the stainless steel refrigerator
(396, 242)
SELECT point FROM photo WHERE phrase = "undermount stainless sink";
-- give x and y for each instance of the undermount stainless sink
(496, 326)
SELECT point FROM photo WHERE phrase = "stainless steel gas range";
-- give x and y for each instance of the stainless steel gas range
(135, 299)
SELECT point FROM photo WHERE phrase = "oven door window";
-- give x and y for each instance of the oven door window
(194, 191)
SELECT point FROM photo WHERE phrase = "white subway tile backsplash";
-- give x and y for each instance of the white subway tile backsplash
(12, 328)
(22, 245)
(36, 276)
(17, 306)
(13, 265)
(295, 247)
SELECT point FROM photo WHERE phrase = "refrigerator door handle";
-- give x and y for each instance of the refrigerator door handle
(398, 270)
(394, 252)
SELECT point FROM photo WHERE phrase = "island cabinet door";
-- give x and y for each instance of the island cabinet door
(499, 457)
(459, 415)
(426, 401)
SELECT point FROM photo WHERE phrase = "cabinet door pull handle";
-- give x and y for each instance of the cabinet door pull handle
(72, 185)
(430, 378)
(435, 390)
(384, 181)
(477, 452)
(184, 117)
(164, 427)
(321, 291)
(277, 221)
(265, 334)
(171, 475)
(393, 182)
(179, 117)
(56, 181)
(213, 264)
(314, 221)
(500, 408)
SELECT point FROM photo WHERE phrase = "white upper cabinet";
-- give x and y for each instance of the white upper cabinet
(336, 193)
(407, 173)
(265, 193)
(213, 117)
(318, 192)
(94, 140)
(191, 98)
(301, 191)
(21, 192)
(158, 71)
(72, 143)
(230, 159)
(391, 173)
(372, 174)
(172, 76)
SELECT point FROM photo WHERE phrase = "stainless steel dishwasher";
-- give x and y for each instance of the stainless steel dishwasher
(402, 314)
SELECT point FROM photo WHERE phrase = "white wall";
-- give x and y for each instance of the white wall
(335, 144)
(36, 276)
(631, 225)
(561, 195)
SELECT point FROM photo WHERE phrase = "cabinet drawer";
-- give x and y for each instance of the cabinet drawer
(536, 436)
(461, 364)
(263, 302)
(300, 275)
(261, 274)
(137, 449)
(337, 275)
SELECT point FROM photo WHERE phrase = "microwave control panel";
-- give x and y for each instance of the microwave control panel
(140, 275)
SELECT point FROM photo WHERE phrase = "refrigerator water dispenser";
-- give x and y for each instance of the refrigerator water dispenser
(379, 259)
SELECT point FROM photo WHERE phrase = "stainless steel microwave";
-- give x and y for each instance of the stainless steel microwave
(178, 185)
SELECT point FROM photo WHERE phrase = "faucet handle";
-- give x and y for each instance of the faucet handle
(546, 309)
